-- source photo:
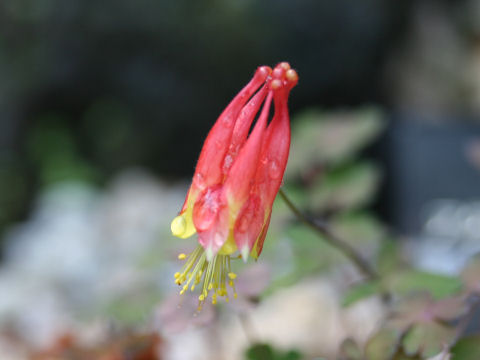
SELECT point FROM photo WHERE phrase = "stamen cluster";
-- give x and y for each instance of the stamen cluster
(212, 276)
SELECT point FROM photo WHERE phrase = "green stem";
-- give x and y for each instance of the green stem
(323, 229)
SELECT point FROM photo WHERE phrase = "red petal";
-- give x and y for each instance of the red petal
(259, 243)
(240, 178)
(213, 237)
(207, 207)
(249, 224)
(210, 163)
(242, 127)
(276, 146)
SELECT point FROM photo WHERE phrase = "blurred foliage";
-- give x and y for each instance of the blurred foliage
(351, 186)
(326, 176)
(329, 180)
(132, 309)
(424, 314)
(52, 149)
(266, 352)
(325, 138)
(15, 191)
(467, 348)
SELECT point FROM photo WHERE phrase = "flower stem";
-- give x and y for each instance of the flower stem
(322, 228)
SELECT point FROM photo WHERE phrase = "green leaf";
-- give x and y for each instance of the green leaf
(290, 355)
(348, 187)
(428, 339)
(260, 352)
(330, 138)
(409, 281)
(382, 345)
(311, 251)
(361, 291)
(266, 352)
(467, 348)
(389, 257)
(359, 228)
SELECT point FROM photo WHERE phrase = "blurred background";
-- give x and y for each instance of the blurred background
(104, 106)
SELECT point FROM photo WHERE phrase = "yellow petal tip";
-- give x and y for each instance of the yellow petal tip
(178, 226)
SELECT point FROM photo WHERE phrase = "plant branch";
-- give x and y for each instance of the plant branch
(322, 228)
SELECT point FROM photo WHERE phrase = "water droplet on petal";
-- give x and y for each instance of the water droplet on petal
(199, 180)
(227, 163)
(274, 171)
(228, 120)
(206, 208)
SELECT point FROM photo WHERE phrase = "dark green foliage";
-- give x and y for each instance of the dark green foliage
(467, 348)
(266, 352)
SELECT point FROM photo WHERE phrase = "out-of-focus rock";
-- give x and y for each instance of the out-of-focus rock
(306, 316)
(84, 254)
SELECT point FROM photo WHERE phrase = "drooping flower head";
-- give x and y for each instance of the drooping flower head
(237, 177)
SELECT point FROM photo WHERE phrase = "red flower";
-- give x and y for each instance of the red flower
(235, 182)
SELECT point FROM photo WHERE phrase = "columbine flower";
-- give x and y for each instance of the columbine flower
(237, 177)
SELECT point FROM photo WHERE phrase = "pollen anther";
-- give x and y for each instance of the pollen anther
(213, 276)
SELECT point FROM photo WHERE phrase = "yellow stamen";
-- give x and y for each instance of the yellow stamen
(182, 256)
(213, 276)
